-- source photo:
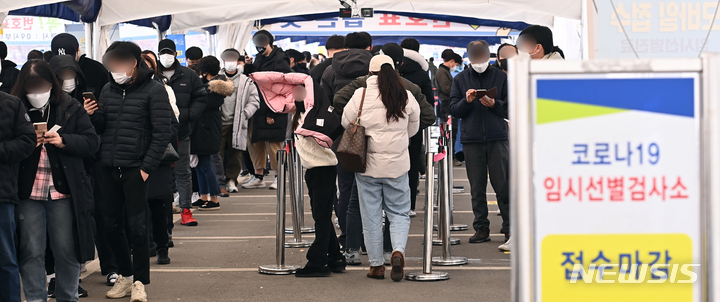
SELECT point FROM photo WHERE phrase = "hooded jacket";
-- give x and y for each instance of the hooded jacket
(96, 76)
(62, 62)
(244, 102)
(134, 122)
(387, 142)
(17, 142)
(346, 66)
(68, 173)
(415, 70)
(8, 75)
(277, 61)
(206, 138)
(189, 96)
(480, 124)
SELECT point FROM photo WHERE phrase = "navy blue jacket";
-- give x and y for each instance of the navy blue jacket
(480, 124)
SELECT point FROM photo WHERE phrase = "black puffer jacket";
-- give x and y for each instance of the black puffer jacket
(17, 142)
(189, 95)
(346, 66)
(62, 62)
(277, 60)
(8, 75)
(415, 70)
(134, 122)
(262, 131)
(96, 76)
(480, 124)
(206, 138)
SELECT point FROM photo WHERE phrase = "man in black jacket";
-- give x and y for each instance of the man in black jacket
(333, 45)
(190, 97)
(8, 72)
(17, 142)
(134, 121)
(484, 135)
(96, 76)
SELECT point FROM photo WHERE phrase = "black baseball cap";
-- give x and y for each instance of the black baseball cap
(166, 44)
(64, 44)
(394, 51)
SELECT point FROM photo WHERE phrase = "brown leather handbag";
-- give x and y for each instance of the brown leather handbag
(352, 150)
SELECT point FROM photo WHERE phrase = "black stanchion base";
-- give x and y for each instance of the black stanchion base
(278, 269)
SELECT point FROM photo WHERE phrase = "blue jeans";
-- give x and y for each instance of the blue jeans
(9, 272)
(392, 195)
(39, 221)
(207, 180)
(354, 225)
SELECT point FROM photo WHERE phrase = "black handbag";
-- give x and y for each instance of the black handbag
(170, 156)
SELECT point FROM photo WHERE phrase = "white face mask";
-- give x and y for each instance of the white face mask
(38, 100)
(167, 60)
(522, 54)
(68, 85)
(481, 67)
(231, 66)
(453, 69)
(120, 77)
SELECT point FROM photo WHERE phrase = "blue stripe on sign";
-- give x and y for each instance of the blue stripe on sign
(669, 95)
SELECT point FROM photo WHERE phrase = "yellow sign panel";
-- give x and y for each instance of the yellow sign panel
(618, 267)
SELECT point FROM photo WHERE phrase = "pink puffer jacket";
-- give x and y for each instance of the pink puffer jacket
(277, 89)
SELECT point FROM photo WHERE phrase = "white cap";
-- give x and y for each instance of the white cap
(378, 61)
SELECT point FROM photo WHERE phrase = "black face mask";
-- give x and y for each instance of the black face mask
(260, 49)
(503, 64)
(302, 65)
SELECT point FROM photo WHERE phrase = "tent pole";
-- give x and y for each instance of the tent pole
(95, 41)
(89, 40)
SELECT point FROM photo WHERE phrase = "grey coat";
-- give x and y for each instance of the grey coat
(247, 102)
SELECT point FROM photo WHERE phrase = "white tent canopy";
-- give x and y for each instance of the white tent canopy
(189, 14)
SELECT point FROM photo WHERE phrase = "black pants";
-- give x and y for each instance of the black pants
(479, 158)
(108, 264)
(345, 182)
(158, 217)
(321, 188)
(416, 163)
(125, 207)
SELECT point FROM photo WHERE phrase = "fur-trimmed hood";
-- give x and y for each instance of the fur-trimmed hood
(417, 57)
(224, 87)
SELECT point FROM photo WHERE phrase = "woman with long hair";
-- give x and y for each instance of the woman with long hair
(390, 116)
(55, 192)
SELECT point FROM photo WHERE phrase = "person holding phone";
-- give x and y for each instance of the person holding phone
(54, 190)
(484, 135)
(134, 121)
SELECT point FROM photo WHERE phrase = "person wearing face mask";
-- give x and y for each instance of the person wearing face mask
(69, 75)
(54, 190)
(484, 135)
(190, 99)
(96, 76)
(443, 83)
(505, 52)
(17, 142)
(269, 58)
(236, 110)
(536, 41)
(133, 117)
(297, 61)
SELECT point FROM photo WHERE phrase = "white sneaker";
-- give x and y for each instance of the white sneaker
(195, 197)
(243, 178)
(273, 186)
(412, 213)
(176, 199)
(505, 247)
(247, 179)
(138, 292)
(337, 223)
(353, 257)
(498, 213)
(232, 186)
(176, 209)
(254, 183)
(387, 256)
(121, 288)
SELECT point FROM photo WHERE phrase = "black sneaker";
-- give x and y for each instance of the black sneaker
(337, 266)
(162, 257)
(310, 272)
(210, 206)
(481, 235)
(82, 293)
(170, 244)
(198, 203)
(51, 288)
(111, 279)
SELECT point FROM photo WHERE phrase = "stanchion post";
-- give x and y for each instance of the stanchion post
(299, 193)
(295, 204)
(427, 273)
(444, 224)
(451, 153)
(280, 268)
(444, 193)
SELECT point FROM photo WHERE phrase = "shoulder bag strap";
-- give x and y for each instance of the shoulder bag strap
(362, 100)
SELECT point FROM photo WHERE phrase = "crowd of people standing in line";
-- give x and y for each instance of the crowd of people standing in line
(98, 156)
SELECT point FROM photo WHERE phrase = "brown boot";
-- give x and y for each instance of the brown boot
(397, 260)
(376, 272)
